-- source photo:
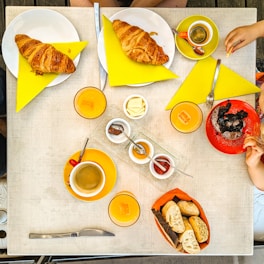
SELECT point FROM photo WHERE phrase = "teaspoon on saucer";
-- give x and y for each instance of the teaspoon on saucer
(197, 49)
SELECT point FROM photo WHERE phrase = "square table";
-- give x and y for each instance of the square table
(43, 135)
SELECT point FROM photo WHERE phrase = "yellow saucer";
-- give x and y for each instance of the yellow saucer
(185, 49)
(105, 162)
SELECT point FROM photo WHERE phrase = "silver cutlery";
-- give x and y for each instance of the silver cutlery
(138, 147)
(102, 72)
(83, 232)
(74, 162)
(120, 128)
(182, 172)
(210, 96)
(197, 49)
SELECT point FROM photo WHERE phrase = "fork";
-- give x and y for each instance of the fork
(210, 96)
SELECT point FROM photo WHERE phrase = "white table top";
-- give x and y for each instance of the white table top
(48, 131)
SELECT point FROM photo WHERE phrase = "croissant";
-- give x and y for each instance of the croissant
(43, 57)
(138, 44)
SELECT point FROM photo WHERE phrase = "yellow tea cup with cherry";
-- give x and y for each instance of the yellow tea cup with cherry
(199, 33)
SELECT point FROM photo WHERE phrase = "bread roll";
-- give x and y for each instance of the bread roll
(188, 239)
(200, 228)
(188, 208)
(172, 214)
(138, 44)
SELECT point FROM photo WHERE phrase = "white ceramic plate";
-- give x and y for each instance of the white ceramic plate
(43, 24)
(148, 21)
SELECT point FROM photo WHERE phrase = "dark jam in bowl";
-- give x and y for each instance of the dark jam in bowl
(165, 164)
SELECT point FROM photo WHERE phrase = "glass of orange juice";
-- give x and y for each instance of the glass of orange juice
(124, 209)
(186, 117)
(90, 102)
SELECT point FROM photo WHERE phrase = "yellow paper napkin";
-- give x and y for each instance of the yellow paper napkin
(198, 84)
(122, 70)
(29, 85)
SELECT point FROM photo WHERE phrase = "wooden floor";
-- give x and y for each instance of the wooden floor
(191, 3)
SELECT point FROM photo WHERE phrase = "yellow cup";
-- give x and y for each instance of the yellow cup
(186, 117)
(90, 102)
(124, 209)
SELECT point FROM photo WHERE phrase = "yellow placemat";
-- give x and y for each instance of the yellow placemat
(122, 70)
(198, 84)
(29, 85)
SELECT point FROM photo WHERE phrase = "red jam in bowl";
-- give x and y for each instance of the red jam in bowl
(165, 164)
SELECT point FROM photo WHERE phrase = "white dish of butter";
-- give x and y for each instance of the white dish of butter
(135, 106)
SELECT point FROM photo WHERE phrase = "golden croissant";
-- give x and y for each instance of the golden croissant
(43, 57)
(138, 44)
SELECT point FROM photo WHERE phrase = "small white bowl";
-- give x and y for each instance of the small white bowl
(156, 172)
(87, 187)
(121, 137)
(141, 110)
(145, 159)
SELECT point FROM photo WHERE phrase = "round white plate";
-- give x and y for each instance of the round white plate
(43, 24)
(149, 21)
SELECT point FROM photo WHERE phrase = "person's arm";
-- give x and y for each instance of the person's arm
(253, 160)
(87, 3)
(261, 98)
(144, 3)
(159, 3)
(242, 36)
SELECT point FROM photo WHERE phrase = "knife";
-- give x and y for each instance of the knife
(102, 72)
(83, 232)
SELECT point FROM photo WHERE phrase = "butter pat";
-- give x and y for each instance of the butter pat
(135, 106)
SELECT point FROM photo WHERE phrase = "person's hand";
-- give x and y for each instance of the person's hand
(240, 37)
(254, 151)
(261, 98)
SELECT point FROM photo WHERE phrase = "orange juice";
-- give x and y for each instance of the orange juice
(186, 117)
(124, 209)
(90, 102)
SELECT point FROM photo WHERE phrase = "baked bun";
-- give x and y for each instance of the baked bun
(172, 214)
(188, 239)
(188, 208)
(200, 228)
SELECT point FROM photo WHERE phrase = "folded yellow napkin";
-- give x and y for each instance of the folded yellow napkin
(198, 83)
(29, 85)
(122, 70)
